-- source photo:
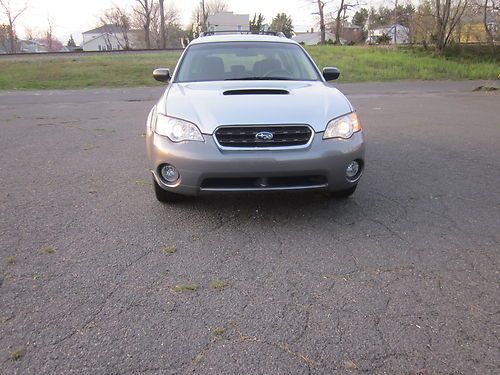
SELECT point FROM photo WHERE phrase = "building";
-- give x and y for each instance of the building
(398, 34)
(105, 38)
(32, 46)
(312, 38)
(228, 21)
(352, 34)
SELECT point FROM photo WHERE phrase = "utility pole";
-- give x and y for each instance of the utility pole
(163, 38)
(203, 16)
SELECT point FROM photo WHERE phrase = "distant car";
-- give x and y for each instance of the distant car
(252, 113)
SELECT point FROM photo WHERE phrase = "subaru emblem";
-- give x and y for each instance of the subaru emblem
(264, 136)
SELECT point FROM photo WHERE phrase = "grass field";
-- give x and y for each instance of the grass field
(357, 64)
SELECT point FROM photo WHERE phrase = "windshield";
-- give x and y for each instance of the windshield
(246, 61)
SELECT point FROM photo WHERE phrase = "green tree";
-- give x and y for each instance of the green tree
(71, 42)
(404, 14)
(360, 18)
(257, 23)
(381, 17)
(282, 23)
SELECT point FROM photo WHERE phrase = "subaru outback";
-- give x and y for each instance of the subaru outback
(251, 113)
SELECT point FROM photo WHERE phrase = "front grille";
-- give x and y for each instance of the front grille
(246, 136)
(264, 183)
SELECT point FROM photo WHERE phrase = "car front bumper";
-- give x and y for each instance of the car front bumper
(199, 162)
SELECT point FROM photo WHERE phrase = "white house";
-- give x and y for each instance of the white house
(228, 21)
(105, 38)
(312, 38)
(398, 34)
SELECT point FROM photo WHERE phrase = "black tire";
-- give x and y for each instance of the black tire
(165, 196)
(344, 193)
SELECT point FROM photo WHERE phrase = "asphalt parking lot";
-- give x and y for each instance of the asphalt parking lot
(402, 278)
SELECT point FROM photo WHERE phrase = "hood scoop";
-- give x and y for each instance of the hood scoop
(256, 92)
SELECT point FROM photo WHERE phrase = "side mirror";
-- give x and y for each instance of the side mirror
(161, 74)
(331, 74)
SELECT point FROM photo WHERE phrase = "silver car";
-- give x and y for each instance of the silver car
(251, 113)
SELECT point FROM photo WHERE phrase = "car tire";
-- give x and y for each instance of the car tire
(344, 193)
(165, 196)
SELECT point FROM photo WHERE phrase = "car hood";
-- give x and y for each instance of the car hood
(208, 105)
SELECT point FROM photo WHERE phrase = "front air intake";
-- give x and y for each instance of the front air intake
(256, 92)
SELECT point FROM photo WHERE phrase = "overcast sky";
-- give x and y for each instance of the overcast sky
(76, 16)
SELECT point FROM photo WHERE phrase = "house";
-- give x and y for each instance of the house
(105, 38)
(228, 21)
(312, 38)
(471, 29)
(398, 34)
(31, 46)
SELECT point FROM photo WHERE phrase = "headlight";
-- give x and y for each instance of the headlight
(342, 127)
(177, 130)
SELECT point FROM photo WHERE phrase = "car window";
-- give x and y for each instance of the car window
(245, 61)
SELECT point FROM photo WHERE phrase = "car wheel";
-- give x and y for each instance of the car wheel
(344, 193)
(165, 196)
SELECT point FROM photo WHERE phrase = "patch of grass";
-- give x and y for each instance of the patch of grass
(217, 284)
(169, 250)
(356, 63)
(48, 250)
(218, 331)
(365, 63)
(64, 72)
(17, 354)
(11, 259)
(182, 288)
(198, 358)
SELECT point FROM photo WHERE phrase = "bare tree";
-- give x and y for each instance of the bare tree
(448, 15)
(161, 29)
(205, 9)
(118, 17)
(12, 15)
(144, 11)
(49, 35)
(341, 16)
(322, 27)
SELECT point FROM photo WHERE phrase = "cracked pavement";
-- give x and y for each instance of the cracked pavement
(402, 278)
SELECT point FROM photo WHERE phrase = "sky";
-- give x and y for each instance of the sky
(72, 17)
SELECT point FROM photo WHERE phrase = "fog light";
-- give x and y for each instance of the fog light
(169, 173)
(352, 169)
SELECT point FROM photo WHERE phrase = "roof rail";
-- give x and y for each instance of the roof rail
(214, 32)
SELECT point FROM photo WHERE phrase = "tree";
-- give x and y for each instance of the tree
(382, 16)
(201, 13)
(12, 15)
(256, 24)
(282, 23)
(322, 28)
(71, 42)
(422, 23)
(341, 11)
(448, 14)
(161, 29)
(360, 18)
(49, 35)
(117, 16)
(144, 13)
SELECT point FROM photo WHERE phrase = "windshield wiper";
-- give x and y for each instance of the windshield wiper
(259, 79)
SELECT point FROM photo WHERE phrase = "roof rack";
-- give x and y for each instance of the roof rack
(214, 32)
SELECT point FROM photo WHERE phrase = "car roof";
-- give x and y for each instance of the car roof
(242, 38)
